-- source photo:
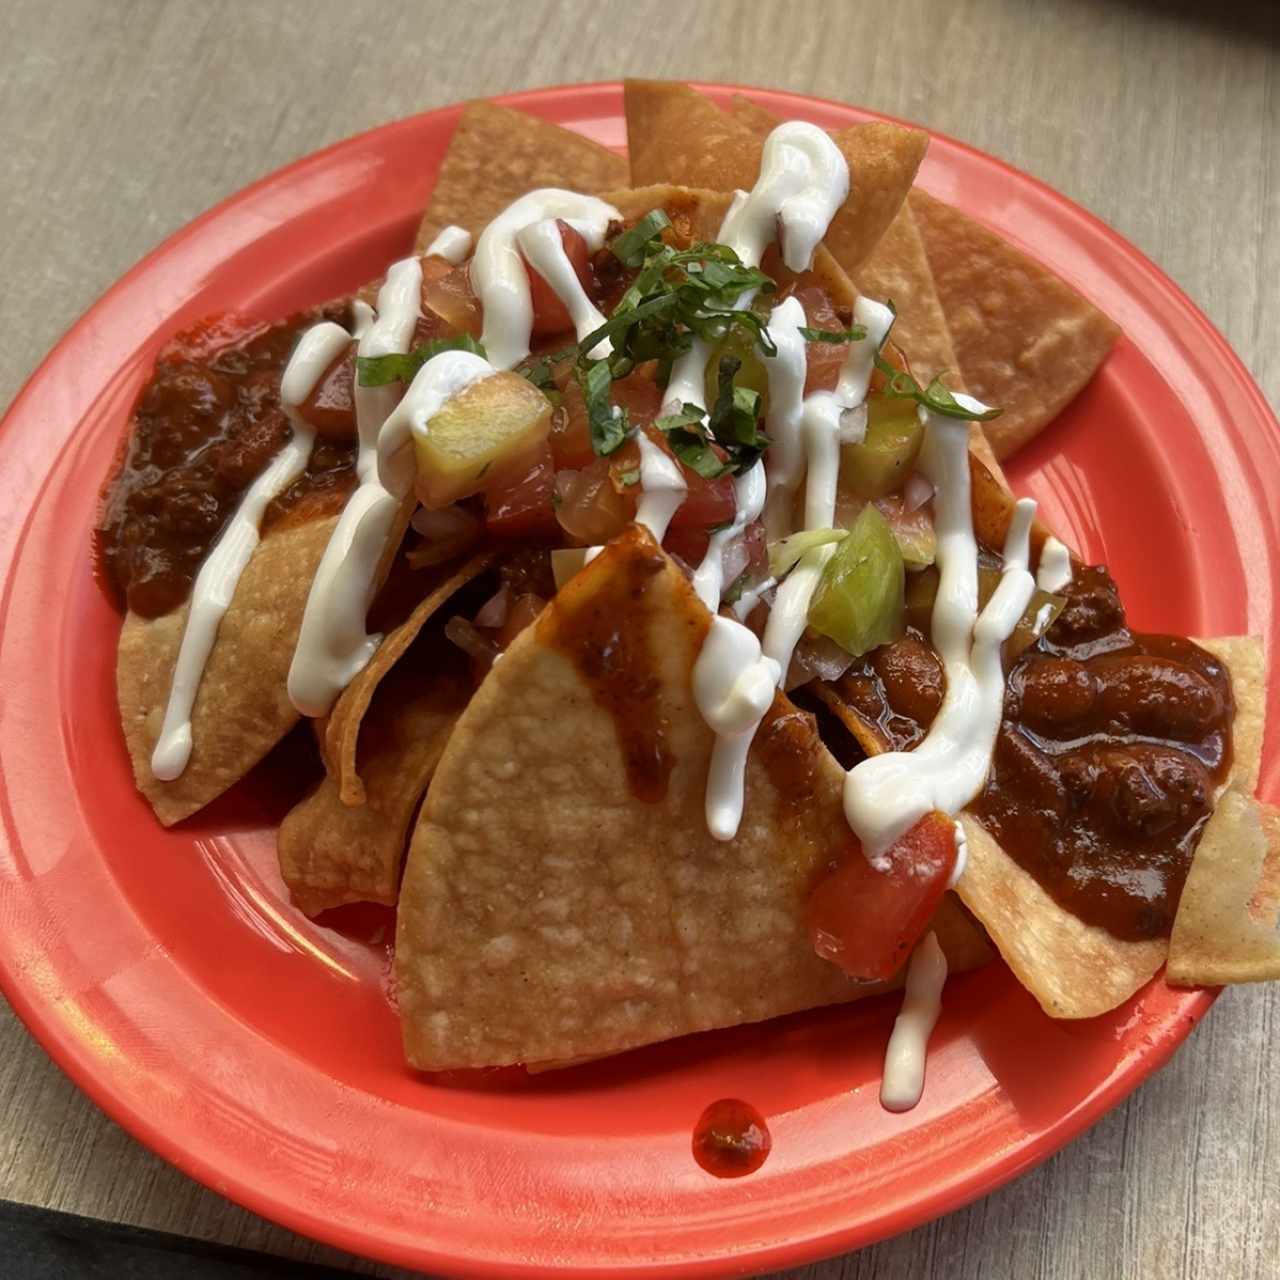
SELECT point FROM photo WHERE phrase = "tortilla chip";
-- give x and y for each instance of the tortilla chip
(497, 154)
(330, 853)
(1243, 657)
(696, 214)
(1025, 340)
(341, 731)
(1074, 970)
(1225, 929)
(896, 268)
(548, 913)
(242, 708)
(674, 134)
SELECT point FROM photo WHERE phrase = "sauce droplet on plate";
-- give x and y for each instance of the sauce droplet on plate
(731, 1139)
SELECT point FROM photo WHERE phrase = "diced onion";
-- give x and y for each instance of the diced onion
(817, 658)
(787, 552)
(493, 613)
(469, 639)
(918, 491)
(734, 559)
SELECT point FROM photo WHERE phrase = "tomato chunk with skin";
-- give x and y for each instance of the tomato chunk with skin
(522, 504)
(866, 921)
(550, 314)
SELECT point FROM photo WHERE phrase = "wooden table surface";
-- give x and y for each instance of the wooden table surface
(121, 121)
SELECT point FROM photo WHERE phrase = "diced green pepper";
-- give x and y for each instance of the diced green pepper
(881, 463)
(859, 599)
(741, 346)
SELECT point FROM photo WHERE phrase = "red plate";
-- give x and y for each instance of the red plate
(169, 976)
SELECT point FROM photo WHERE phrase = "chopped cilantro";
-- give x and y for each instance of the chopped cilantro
(377, 371)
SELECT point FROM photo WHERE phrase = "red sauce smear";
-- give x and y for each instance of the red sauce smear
(731, 1139)
(606, 634)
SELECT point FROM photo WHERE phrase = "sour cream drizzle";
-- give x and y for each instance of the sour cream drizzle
(825, 419)
(216, 582)
(903, 1080)
(884, 796)
(452, 243)
(1055, 566)
(543, 250)
(498, 273)
(803, 180)
(333, 645)
(733, 686)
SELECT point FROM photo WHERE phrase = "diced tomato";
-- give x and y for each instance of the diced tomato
(689, 544)
(867, 921)
(330, 407)
(549, 313)
(451, 298)
(570, 434)
(521, 504)
(594, 506)
(708, 502)
(639, 395)
(825, 358)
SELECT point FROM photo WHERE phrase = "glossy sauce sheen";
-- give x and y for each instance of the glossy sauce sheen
(604, 634)
(1110, 751)
(204, 429)
(731, 1139)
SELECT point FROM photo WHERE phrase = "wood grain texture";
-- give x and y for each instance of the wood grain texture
(121, 121)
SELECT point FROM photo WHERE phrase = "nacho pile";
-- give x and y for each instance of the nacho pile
(677, 653)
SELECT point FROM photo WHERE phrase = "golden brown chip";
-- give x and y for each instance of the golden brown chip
(1025, 340)
(1243, 657)
(497, 154)
(1225, 929)
(1073, 969)
(674, 134)
(897, 268)
(330, 853)
(242, 709)
(548, 913)
(696, 214)
(341, 731)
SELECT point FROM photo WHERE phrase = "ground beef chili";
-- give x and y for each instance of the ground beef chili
(1110, 749)
(204, 428)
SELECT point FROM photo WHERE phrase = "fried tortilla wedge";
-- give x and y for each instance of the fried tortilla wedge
(562, 897)
(330, 853)
(1073, 969)
(1226, 926)
(674, 134)
(896, 268)
(497, 154)
(696, 214)
(1026, 341)
(340, 733)
(242, 709)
